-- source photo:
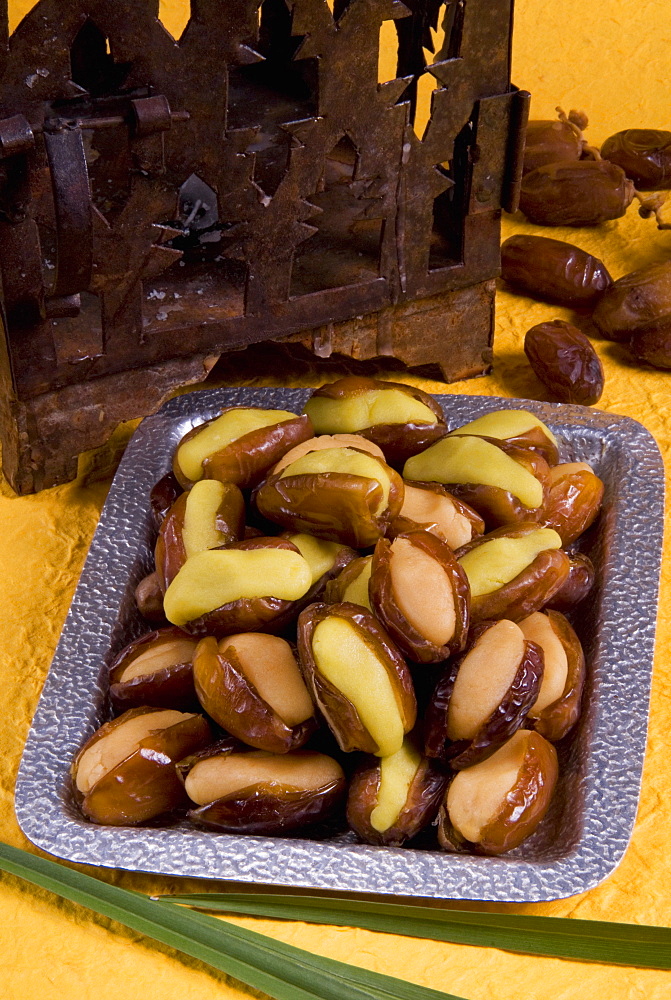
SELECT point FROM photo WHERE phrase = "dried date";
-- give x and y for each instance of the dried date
(565, 361)
(644, 154)
(553, 271)
(580, 193)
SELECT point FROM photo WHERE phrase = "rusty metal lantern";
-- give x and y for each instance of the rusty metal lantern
(164, 201)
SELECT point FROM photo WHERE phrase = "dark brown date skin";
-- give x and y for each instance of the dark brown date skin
(549, 141)
(163, 495)
(506, 719)
(248, 614)
(553, 271)
(331, 505)
(340, 714)
(335, 589)
(652, 344)
(499, 507)
(580, 193)
(530, 590)
(421, 805)
(521, 811)
(149, 599)
(555, 721)
(144, 785)
(397, 441)
(232, 701)
(170, 554)
(574, 502)
(168, 687)
(644, 154)
(246, 460)
(407, 638)
(565, 362)
(577, 585)
(637, 301)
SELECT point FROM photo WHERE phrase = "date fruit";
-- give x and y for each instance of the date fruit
(239, 446)
(251, 791)
(250, 684)
(155, 670)
(483, 698)
(125, 774)
(492, 807)
(580, 193)
(565, 362)
(502, 482)
(391, 799)
(577, 585)
(644, 154)
(513, 571)
(431, 507)
(420, 593)
(352, 585)
(557, 708)
(210, 515)
(400, 419)
(549, 141)
(246, 587)
(652, 343)
(357, 678)
(340, 494)
(149, 598)
(553, 271)
(635, 302)
(574, 500)
(516, 427)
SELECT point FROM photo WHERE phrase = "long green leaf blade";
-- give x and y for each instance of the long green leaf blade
(280, 970)
(559, 937)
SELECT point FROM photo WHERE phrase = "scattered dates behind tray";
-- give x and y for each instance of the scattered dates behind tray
(361, 621)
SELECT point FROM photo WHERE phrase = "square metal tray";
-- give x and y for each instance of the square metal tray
(586, 832)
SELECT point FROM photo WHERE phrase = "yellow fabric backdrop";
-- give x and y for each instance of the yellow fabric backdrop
(611, 58)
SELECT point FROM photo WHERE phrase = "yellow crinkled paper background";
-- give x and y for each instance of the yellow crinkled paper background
(611, 58)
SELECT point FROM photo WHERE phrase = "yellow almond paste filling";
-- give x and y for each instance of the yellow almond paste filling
(202, 503)
(396, 775)
(470, 460)
(367, 409)
(493, 564)
(223, 431)
(346, 660)
(505, 424)
(219, 576)
(345, 461)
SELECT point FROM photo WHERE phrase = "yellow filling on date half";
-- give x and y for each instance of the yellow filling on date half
(202, 503)
(223, 431)
(396, 775)
(470, 460)
(345, 461)
(504, 424)
(217, 577)
(495, 563)
(357, 592)
(319, 555)
(366, 409)
(346, 660)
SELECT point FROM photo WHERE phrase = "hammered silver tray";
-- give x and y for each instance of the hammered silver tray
(586, 832)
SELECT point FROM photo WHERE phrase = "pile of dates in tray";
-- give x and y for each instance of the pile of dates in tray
(356, 614)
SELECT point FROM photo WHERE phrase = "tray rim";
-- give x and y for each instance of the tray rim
(503, 879)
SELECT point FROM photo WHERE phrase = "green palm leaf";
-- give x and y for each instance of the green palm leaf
(559, 937)
(280, 970)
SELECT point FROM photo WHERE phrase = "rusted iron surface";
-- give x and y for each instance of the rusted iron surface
(166, 199)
